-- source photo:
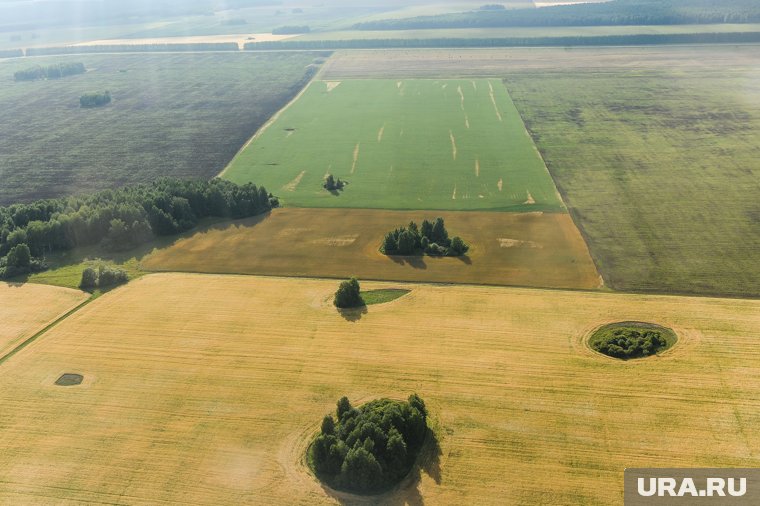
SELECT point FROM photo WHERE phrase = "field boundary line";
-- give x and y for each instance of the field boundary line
(44, 330)
(316, 77)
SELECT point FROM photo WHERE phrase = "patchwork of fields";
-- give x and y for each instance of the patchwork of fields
(26, 309)
(204, 389)
(181, 115)
(401, 144)
(523, 249)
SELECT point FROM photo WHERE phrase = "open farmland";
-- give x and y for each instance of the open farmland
(524, 249)
(660, 168)
(26, 309)
(203, 389)
(500, 62)
(183, 115)
(416, 144)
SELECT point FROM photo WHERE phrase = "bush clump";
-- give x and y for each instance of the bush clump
(348, 295)
(332, 184)
(628, 341)
(96, 99)
(370, 448)
(105, 276)
(430, 238)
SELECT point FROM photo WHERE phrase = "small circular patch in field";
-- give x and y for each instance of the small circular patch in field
(631, 340)
(69, 380)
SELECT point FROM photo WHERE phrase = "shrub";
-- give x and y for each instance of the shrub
(369, 448)
(332, 184)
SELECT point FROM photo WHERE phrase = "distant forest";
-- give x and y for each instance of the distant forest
(616, 12)
(446, 42)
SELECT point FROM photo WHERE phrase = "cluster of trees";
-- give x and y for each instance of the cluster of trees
(291, 30)
(617, 12)
(333, 184)
(55, 71)
(447, 42)
(348, 295)
(124, 218)
(630, 343)
(95, 99)
(104, 276)
(134, 48)
(370, 448)
(18, 261)
(429, 238)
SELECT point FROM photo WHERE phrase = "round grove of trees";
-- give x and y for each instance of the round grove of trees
(370, 448)
(629, 340)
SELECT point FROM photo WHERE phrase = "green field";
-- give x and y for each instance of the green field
(660, 167)
(182, 115)
(412, 144)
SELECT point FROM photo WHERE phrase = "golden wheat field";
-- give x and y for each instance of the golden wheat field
(205, 390)
(26, 308)
(522, 249)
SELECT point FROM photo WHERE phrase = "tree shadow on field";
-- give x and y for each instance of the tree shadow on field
(353, 314)
(464, 259)
(416, 262)
(406, 493)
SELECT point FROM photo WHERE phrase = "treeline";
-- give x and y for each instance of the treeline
(124, 218)
(600, 40)
(133, 48)
(95, 99)
(617, 12)
(11, 53)
(291, 30)
(55, 71)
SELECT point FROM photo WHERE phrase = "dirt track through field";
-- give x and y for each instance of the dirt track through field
(27, 308)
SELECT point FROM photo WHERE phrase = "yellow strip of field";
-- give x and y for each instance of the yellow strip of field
(26, 309)
(205, 390)
(528, 249)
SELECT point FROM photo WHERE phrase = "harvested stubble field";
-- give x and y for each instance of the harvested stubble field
(25, 309)
(523, 249)
(416, 144)
(181, 115)
(210, 395)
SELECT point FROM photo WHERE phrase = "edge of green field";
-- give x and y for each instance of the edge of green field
(437, 144)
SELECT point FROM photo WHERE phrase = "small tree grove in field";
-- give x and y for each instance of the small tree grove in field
(95, 99)
(348, 295)
(370, 448)
(632, 340)
(430, 238)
